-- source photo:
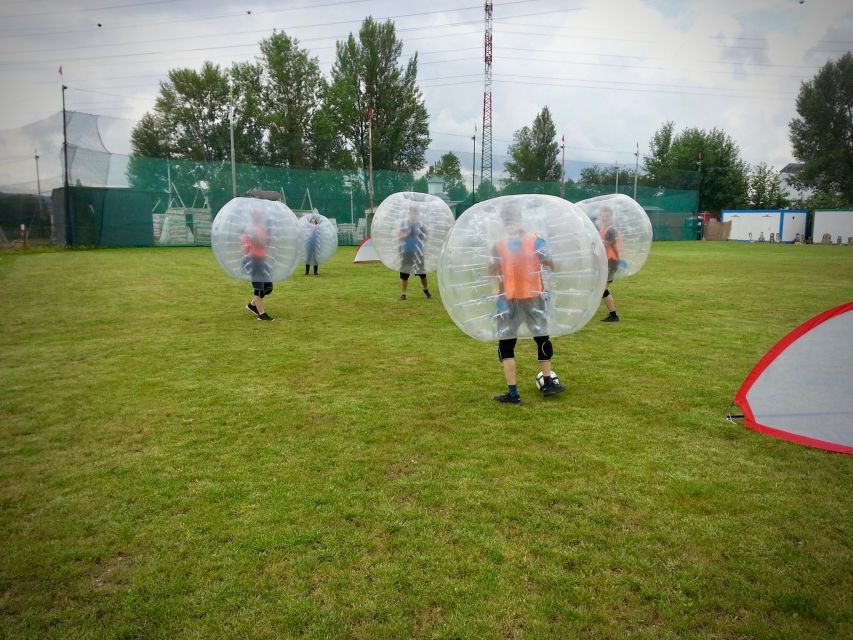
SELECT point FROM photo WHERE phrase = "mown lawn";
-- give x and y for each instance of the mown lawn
(172, 468)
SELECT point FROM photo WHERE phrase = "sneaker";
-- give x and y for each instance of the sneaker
(266, 316)
(427, 294)
(611, 318)
(252, 308)
(508, 399)
(402, 296)
(552, 389)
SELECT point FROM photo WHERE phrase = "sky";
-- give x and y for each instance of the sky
(611, 72)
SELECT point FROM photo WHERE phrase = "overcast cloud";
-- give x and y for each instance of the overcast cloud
(611, 72)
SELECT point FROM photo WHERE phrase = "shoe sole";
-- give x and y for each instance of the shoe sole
(552, 393)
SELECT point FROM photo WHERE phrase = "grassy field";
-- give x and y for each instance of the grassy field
(172, 468)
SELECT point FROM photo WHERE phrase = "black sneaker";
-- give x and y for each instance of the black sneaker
(553, 388)
(265, 316)
(611, 318)
(508, 399)
(252, 308)
(402, 296)
(427, 294)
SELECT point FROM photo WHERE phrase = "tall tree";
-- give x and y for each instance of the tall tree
(367, 77)
(292, 88)
(764, 189)
(822, 135)
(534, 152)
(448, 168)
(709, 162)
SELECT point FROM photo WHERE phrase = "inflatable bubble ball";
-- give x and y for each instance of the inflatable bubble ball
(256, 240)
(409, 229)
(626, 223)
(522, 266)
(320, 238)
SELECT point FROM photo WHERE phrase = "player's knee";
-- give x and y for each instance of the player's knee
(404, 276)
(544, 348)
(263, 290)
(506, 349)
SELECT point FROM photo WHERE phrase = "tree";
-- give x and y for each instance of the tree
(600, 180)
(822, 135)
(764, 189)
(292, 87)
(708, 162)
(189, 125)
(448, 168)
(367, 79)
(534, 152)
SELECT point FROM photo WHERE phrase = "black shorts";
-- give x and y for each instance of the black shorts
(612, 268)
(529, 311)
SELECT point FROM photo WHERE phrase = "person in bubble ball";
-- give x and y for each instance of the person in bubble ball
(412, 236)
(311, 245)
(254, 240)
(519, 258)
(613, 247)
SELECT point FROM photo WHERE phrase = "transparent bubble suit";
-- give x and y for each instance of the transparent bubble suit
(632, 223)
(320, 240)
(409, 229)
(471, 269)
(248, 231)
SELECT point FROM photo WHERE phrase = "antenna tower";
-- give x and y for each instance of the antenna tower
(486, 147)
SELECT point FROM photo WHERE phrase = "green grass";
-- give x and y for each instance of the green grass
(172, 468)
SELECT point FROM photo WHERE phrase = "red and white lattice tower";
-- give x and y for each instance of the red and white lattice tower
(486, 148)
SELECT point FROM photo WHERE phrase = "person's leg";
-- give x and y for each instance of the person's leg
(404, 284)
(315, 269)
(612, 267)
(307, 268)
(258, 299)
(506, 354)
(544, 353)
(423, 278)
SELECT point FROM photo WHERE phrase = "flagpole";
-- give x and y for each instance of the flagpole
(69, 217)
(563, 171)
(636, 169)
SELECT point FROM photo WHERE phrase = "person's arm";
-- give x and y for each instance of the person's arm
(544, 253)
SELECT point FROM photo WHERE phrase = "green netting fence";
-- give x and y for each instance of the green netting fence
(173, 203)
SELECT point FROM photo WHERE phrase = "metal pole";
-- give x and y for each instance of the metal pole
(617, 177)
(474, 167)
(69, 217)
(233, 160)
(370, 158)
(636, 169)
(38, 180)
(563, 169)
(351, 218)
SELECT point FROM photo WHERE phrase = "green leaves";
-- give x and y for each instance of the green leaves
(534, 152)
(822, 135)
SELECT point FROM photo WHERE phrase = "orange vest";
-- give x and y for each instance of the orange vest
(255, 245)
(521, 270)
(613, 250)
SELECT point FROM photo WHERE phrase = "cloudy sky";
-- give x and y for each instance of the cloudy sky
(611, 71)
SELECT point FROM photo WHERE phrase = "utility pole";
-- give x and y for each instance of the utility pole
(38, 180)
(563, 171)
(233, 159)
(474, 167)
(636, 169)
(69, 216)
(370, 158)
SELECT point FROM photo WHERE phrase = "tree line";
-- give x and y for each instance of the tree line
(286, 114)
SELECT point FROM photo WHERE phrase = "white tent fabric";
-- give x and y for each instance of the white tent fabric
(366, 252)
(802, 389)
